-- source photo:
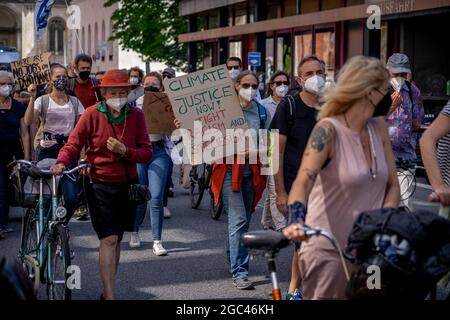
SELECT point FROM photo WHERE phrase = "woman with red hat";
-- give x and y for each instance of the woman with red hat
(117, 139)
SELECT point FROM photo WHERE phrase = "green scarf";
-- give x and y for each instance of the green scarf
(108, 113)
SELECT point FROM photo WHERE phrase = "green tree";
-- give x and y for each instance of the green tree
(151, 28)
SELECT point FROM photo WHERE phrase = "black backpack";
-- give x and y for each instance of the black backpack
(411, 265)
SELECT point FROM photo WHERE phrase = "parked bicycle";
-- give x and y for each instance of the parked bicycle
(200, 177)
(44, 251)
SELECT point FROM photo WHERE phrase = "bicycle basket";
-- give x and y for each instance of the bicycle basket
(26, 188)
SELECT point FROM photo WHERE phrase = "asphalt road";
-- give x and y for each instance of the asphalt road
(196, 266)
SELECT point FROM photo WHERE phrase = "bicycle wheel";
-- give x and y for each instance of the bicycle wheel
(29, 248)
(215, 210)
(59, 255)
(29, 240)
(198, 185)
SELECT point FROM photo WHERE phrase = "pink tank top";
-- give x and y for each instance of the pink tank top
(346, 187)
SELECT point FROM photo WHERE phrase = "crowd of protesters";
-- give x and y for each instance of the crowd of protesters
(343, 148)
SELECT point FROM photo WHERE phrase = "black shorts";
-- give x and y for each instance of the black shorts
(111, 212)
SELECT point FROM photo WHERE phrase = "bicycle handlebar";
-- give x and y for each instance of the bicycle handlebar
(310, 232)
(47, 171)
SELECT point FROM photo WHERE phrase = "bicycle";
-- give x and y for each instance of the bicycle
(44, 251)
(200, 177)
(271, 242)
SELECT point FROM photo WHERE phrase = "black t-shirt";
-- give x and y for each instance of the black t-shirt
(297, 135)
(10, 131)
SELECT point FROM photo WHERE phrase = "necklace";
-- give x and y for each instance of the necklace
(373, 169)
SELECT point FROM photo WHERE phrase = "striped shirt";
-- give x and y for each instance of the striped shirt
(444, 150)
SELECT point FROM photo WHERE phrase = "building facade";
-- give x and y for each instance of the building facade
(17, 30)
(285, 31)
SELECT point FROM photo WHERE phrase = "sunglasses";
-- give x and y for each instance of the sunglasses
(247, 85)
(279, 83)
(233, 67)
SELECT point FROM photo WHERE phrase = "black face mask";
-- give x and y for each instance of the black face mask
(382, 108)
(151, 89)
(84, 75)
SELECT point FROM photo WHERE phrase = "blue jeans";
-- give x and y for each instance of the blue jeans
(69, 184)
(239, 207)
(156, 172)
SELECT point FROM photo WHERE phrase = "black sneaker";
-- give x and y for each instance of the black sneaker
(243, 283)
(82, 214)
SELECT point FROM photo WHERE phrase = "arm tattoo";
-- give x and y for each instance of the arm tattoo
(311, 174)
(320, 137)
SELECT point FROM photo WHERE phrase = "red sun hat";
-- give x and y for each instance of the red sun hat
(115, 78)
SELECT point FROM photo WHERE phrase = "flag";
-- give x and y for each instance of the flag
(42, 12)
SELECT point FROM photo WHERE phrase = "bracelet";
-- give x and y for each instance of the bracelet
(297, 212)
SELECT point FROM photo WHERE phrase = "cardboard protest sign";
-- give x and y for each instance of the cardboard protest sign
(31, 70)
(207, 97)
(158, 113)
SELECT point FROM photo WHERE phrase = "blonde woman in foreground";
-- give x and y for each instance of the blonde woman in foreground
(348, 167)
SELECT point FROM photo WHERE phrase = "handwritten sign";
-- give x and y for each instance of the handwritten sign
(207, 97)
(31, 70)
(158, 113)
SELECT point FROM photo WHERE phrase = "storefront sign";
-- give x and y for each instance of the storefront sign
(396, 6)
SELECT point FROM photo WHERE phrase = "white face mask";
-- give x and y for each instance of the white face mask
(282, 90)
(5, 90)
(234, 73)
(117, 103)
(248, 94)
(134, 81)
(397, 83)
(314, 85)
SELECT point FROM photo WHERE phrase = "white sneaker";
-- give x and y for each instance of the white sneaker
(158, 249)
(167, 213)
(135, 241)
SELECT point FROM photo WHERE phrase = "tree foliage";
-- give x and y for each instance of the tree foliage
(151, 28)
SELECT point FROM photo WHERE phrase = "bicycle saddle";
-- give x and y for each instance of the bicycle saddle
(264, 240)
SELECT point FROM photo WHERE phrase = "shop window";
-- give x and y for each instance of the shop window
(354, 2)
(241, 14)
(325, 44)
(284, 53)
(213, 21)
(290, 8)
(201, 23)
(208, 55)
(235, 49)
(270, 67)
(303, 48)
(308, 6)
(273, 9)
(332, 4)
